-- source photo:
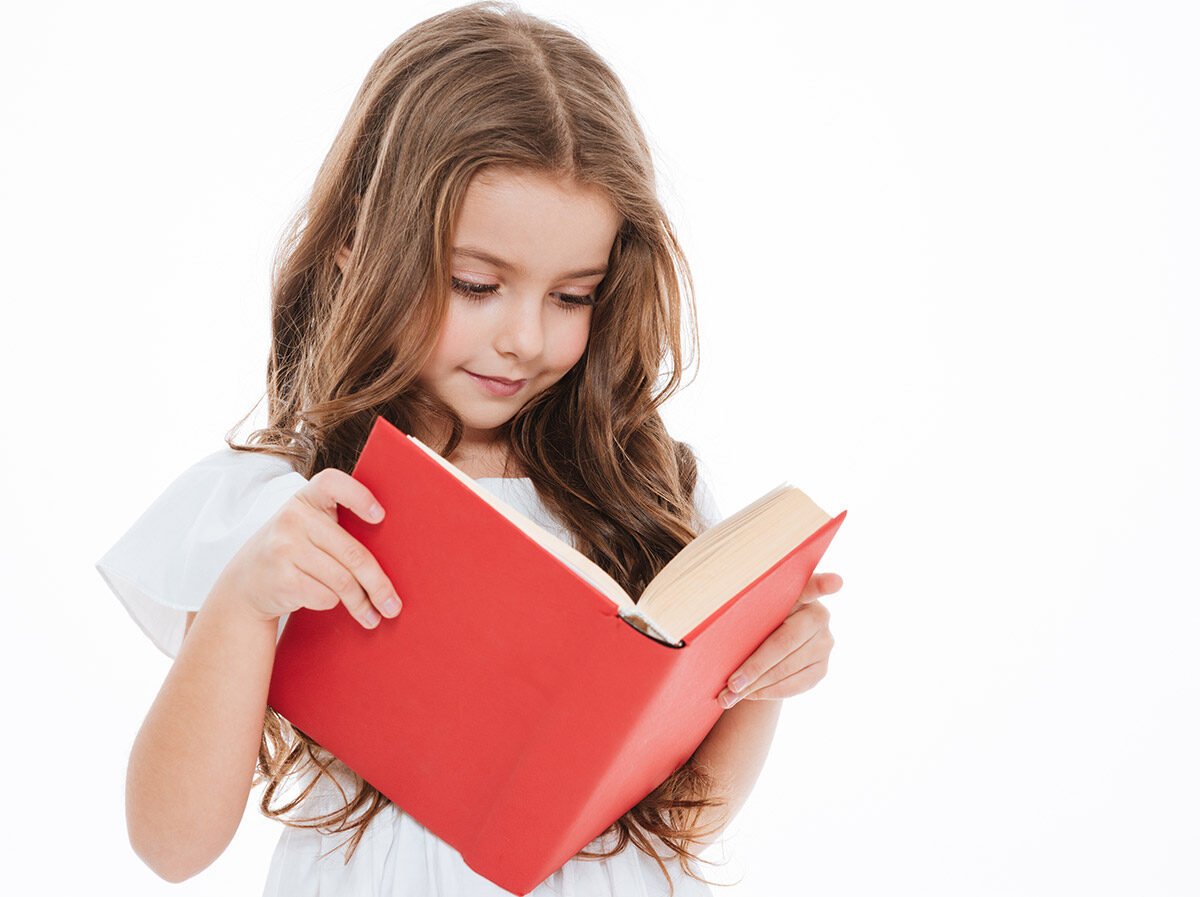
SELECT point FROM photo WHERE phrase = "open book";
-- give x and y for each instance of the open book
(718, 563)
(522, 701)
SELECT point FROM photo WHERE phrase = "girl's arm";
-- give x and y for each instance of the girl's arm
(192, 763)
(735, 751)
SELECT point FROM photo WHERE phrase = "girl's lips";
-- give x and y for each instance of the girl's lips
(498, 387)
(497, 379)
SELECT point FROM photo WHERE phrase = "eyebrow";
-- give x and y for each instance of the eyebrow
(472, 252)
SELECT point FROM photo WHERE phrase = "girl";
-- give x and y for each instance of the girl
(484, 262)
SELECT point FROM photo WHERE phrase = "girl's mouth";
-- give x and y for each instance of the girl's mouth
(496, 386)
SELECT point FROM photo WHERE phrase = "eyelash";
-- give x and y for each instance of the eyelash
(477, 292)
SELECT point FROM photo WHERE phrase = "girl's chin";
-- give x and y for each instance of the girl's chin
(476, 418)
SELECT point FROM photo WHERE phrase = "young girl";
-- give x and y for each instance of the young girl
(484, 262)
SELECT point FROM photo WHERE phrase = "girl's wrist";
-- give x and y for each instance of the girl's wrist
(228, 602)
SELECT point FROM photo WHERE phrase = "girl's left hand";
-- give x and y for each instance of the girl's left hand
(794, 657)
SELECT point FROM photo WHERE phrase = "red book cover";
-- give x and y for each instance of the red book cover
(508, 708)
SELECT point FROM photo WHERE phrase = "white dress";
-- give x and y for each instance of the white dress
(168, 561)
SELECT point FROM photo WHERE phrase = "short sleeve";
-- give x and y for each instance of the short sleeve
(167, 562)
(707, 512)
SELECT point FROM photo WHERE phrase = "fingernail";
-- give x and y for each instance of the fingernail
(371, 618)
(738, 682)
(375, 513)
(391, 606)
(728, 699)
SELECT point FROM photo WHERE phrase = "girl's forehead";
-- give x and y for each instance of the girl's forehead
(521, 220)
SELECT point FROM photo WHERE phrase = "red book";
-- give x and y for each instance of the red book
(518, 706)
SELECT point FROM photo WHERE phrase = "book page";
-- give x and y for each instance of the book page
(727, 557)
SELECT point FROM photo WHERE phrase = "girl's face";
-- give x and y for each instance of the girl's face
(527, 255)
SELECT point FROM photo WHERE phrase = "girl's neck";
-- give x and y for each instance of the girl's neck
(482, 469)
(484, 460)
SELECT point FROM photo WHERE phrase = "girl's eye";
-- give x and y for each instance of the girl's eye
(477, 291)
(474, 291)
(571, 302)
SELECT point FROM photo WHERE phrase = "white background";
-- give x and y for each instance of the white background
(946, 268)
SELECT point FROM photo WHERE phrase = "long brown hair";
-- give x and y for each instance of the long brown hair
(478, 86)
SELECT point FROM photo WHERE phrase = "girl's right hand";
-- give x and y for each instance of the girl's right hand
(302, 557)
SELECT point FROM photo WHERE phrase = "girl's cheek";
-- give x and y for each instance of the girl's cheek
(458, 331)
(574, 340)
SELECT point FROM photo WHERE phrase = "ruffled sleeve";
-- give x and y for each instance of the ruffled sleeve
(167, 562)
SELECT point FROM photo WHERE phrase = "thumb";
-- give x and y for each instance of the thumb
(820, 584)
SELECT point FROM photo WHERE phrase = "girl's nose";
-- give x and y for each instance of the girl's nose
(521, 332)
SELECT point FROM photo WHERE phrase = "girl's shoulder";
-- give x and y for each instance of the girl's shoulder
(225, 493)
(705, 501)
(168, 559)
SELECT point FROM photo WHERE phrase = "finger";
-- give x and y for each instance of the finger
(790, 686)
(312, 592)
(816, 649)
(792, 635)
(339, 585)
(782, 681)
(819, 584)
(332, 487)
(356, 559)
